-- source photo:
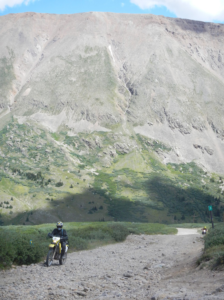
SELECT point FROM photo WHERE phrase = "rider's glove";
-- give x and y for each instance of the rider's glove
(50, 234)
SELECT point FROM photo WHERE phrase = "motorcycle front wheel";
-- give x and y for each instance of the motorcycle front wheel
(63, 260)
(49, 259)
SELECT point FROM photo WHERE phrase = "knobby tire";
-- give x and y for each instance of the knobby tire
(63, 260)
(49, 259)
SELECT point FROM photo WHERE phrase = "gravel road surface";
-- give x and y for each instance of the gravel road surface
(143, 267)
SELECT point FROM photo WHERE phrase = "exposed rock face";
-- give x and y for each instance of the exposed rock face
(161, 76)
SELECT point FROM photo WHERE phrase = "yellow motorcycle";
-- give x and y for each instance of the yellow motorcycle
(55, 252)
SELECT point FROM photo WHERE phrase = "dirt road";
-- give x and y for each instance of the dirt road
(143, 267)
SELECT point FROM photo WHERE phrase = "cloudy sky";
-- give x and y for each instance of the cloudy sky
(203, 10)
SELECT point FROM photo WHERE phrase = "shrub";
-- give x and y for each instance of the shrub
(78, 243)
(100, 235)
(214, 246)
(26, 253)
(58, 184)
(17, 249)
(7, 252)
(119, 232)
(215, 237)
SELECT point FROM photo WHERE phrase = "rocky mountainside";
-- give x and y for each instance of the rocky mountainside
(120, 107)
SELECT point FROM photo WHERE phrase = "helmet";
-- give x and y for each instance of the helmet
(59, 225)
(205, 227)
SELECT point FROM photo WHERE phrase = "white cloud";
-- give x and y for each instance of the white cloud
(204, 10)
(11, 3)
(122, 4)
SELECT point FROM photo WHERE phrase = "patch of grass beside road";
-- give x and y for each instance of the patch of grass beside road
(213, 255)
(16, 247)
(190, 225)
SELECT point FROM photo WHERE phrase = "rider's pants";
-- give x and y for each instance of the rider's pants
(63, 247)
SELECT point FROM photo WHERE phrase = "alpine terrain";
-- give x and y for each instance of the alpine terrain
(110, 117)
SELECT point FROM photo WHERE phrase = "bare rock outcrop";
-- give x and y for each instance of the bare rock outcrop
(203, 149)
(73, 71)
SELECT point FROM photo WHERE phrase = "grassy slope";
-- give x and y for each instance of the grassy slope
(133, 186)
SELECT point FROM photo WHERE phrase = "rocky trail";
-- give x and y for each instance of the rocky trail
(143, 267)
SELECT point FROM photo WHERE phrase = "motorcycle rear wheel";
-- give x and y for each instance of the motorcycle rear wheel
(49, 259)
(63, 260)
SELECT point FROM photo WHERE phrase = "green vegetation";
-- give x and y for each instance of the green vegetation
(42, 175)
(190, 225)
(213, 255)
(29, 244)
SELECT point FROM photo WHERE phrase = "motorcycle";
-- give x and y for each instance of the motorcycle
(55, 251)
(204, 231)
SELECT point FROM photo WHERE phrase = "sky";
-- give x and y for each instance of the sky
(201, 10)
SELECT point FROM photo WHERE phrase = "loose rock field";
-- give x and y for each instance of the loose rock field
(142, 267)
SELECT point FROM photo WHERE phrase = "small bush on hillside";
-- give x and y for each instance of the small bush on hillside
(58, 184)
(119, 232)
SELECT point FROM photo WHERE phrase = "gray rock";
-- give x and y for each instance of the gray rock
(81, 293)
(209, 150)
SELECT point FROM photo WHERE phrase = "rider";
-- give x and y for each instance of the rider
(60, 232)
(204, 228)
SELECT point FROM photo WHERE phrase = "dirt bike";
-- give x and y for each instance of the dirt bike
(204, 231)
(55, 251)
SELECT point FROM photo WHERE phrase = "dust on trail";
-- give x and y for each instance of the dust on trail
(143, 267)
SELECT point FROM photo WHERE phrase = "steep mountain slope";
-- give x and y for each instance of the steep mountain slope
(130, 105)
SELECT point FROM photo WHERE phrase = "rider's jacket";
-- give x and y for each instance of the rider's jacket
(60, 233)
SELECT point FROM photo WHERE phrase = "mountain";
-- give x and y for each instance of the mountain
(110, 117)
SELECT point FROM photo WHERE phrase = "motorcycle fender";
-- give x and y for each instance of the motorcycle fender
(51, 246)
(59, 247)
